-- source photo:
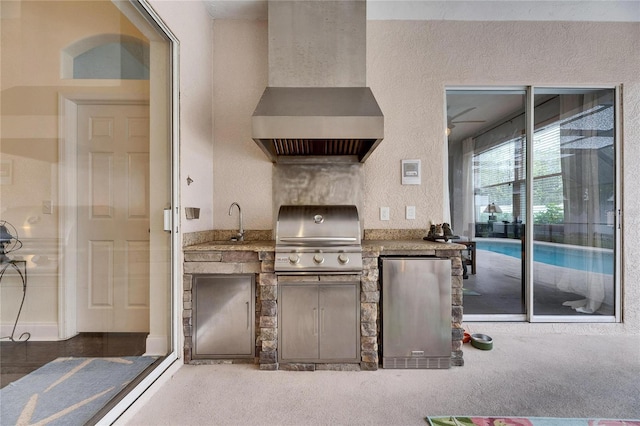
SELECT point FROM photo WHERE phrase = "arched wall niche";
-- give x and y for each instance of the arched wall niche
(106, 56)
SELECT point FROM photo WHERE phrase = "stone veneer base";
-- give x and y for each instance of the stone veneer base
(219, 260)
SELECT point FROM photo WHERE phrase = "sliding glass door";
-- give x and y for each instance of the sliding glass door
(487, 145)
(574, 203)
(87, 153)
(532, 181)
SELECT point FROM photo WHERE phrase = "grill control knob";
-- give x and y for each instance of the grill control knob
(318, 258)
(294, 258)
(343, 258)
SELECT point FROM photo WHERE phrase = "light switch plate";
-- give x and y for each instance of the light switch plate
(384, 213)
(410, 212)
(46, 207)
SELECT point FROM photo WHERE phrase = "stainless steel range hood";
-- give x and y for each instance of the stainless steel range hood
(316, 105)
(318, 121)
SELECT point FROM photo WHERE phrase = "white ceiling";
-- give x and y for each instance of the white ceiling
(460, 10)
(471, 112)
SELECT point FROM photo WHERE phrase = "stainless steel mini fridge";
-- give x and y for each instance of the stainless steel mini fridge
(416, 312)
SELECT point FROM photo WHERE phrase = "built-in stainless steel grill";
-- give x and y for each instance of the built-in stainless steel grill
(318, 239)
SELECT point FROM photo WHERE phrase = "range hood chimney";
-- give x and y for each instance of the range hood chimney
(317, 103)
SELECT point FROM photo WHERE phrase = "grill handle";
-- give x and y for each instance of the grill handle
(319, 239)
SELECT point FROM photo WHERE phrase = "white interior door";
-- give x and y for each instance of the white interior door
(113, 218)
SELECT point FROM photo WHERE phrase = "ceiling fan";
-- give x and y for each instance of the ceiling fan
(451, 123)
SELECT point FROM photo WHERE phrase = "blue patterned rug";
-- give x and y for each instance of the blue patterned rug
(67, 391)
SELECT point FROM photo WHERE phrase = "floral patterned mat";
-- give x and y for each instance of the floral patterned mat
(525, 421)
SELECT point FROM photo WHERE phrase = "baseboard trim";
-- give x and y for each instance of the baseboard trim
(157, 345)
(40, 332)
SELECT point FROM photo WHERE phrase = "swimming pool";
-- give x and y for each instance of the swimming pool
(580, 258)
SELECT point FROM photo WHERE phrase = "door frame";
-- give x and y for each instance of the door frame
(618, 254)
(68, 105)
(144, 16)
(528, 276)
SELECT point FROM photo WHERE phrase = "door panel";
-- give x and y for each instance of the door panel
(488, 195)
(101, 181)
(137, 255)
(574, 236)
(100, 274)
(113, 218)
(223, 316)
(339, 333)
(299, 317)
(138, 171)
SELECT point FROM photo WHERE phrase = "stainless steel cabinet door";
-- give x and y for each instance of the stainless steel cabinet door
(223, 318)
(319, 323)
(339, 326)
(416, 307)
(299, 322)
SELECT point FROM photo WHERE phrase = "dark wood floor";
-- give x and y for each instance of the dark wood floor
(17, 359)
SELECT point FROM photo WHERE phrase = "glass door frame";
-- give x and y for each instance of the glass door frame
(521, 90)
(529, 315)
(529, 278)
(143, 8)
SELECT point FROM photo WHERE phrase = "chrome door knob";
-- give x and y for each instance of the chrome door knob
(294, 258)
(318, 258)
(343, 258)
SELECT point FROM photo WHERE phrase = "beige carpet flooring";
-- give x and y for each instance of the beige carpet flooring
(533, 375)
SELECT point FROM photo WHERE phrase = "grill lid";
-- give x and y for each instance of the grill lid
(317, 121)
(318, 226)
(318, 240)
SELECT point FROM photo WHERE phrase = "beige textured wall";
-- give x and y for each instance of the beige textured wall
(409, 64)
(241, 172)
(191, 24)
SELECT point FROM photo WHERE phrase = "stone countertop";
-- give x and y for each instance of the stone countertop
(256, 245)
(367, 245)
(408, 245)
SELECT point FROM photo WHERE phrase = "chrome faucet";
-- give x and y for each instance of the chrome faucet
(240, 234)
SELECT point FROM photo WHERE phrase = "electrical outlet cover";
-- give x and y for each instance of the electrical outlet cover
(384, 213)
(411, 212)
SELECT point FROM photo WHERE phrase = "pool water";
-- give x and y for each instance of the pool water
(582, 259)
